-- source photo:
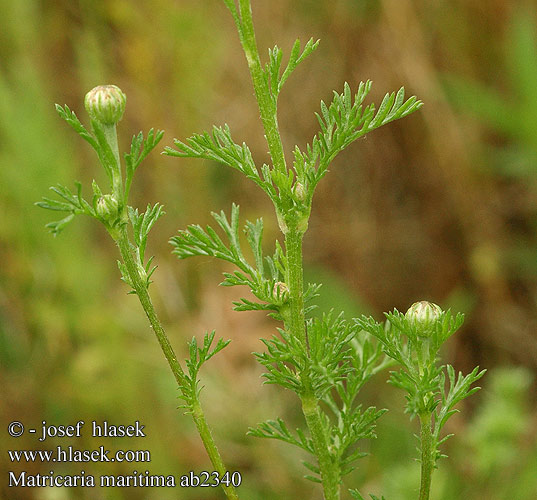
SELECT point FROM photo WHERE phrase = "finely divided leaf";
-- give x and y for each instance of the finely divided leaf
(72, 203)
(344, 121)
(220, 147)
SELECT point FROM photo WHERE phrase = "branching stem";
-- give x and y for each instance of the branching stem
(122, 240)
(330, 473)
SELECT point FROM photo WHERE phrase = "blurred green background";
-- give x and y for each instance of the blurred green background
(440, 206)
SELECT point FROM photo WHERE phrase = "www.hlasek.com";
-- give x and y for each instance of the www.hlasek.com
(71, 454)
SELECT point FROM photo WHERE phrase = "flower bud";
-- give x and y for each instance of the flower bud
(106, 104)
(299, 191)
(107, 207)
(422, 316)
(280, 289)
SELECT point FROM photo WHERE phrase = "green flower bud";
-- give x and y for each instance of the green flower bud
(422, 317)
(106, 104)
(299, 191)
(107, 208)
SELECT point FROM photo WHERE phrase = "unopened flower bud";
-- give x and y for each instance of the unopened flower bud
(299, 191)
(280, 289)
(106, 104)
(107, 207)
(422, 316)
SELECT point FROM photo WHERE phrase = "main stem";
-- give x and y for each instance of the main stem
(140, 288)
(330, 473)
(266, 103)
(427, 455)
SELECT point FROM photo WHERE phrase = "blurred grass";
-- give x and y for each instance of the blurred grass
(440, 206)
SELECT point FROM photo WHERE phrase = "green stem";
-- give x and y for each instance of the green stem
(117, 178)
(330, 471)
(294, 231)
(145, 300)
(266, 102)
(427, 455)
(210, 446)
(295, 282)
(138, 280)
(122, 240)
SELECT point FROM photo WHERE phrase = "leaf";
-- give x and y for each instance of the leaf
(459, 388)
(266, 287)
(140, 148)
(254, 234)
(198, 355)
(50, 204)
(357, 496)
(277, 429)
(58, 226)
(285, 358)
(219, 147)
(344, 121)
(296, 58)
(198, 241)
(74, 204)
(71, 118)
(230, 4)
(142, 224)
(125, 276)
(272, 73)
